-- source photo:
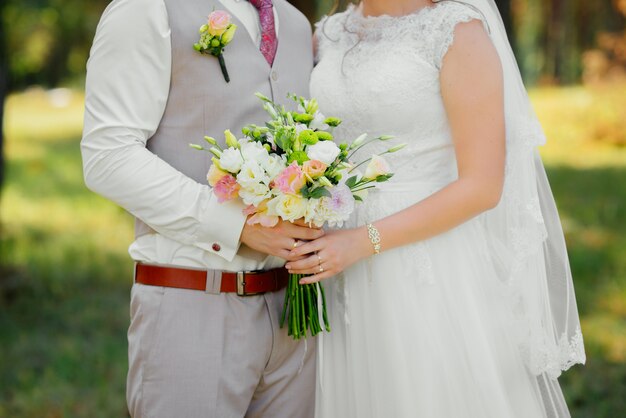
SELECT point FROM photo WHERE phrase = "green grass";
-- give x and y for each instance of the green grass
(64, 273)
(64, 269)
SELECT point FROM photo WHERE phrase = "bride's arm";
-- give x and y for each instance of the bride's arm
(472, 91)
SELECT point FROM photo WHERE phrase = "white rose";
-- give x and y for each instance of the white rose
(231, 160)
(324, 151)
(377, 167)
(288, 206)
(254, 194)
(252, 174)
(254, 151)
(274, 165)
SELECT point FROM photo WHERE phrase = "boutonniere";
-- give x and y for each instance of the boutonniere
(215, 35)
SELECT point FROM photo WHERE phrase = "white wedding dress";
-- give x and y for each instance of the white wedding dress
(427, 330)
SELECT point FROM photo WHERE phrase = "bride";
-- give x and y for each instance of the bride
(451, 293)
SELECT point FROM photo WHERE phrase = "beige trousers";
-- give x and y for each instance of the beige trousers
(193, 354)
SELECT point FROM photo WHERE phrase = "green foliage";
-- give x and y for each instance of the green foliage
(49, 40)
(314, 193)
(64, 272)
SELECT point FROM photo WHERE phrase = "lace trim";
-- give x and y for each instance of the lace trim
(563, 356)
(464, 14)
(430, 29)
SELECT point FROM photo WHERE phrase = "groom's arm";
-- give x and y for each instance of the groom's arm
(128, 78)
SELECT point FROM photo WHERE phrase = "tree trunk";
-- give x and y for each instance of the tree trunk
(4, 76)
(507, 16)
(305, 6)
(529, 36)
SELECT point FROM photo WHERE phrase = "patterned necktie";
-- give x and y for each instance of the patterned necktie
(269, 42)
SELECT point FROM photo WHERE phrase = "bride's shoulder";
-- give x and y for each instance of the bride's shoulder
(449, 13)
(446, 16)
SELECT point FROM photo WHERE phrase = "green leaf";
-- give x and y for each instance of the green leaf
(384, 178)
(319, 193)
(351, 182)
(357, 198)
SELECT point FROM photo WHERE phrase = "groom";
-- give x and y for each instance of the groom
(204, 339)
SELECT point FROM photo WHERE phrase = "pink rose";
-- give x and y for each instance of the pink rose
(291, 180)
(219, 21)
(226, 188)
(314, 168)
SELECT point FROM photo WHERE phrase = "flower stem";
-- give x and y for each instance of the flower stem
(359, 165)
(220, 58)
(301, 310)
(369, 141)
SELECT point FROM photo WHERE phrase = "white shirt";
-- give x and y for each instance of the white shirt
(126, 93)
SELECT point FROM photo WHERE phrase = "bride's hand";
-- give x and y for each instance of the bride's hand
(331, 254)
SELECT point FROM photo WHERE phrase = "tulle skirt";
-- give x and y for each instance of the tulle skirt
(426, 331)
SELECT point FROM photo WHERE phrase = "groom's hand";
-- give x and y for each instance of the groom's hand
(279, 240)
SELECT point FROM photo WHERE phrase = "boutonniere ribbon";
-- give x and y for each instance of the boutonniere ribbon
(218, 32)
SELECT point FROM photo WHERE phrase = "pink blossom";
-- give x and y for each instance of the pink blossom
(219, 21)
(226, 188)
(291, 180)
(314, 168)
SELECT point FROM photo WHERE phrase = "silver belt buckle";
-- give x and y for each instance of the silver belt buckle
(241, 284)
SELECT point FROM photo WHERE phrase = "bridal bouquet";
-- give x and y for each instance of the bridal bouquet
(291, 169)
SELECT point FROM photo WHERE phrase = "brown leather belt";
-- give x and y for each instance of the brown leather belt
(212, 281)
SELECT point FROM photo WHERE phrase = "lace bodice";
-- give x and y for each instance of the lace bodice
(381, 75)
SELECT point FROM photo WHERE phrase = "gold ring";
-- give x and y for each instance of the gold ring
(319, 259)
(321, 269)
(295, 244)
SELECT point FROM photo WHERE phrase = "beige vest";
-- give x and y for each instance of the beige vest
(201, 103)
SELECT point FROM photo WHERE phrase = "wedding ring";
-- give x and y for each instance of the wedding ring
(319, 259)
(295, 244)
(321, 269)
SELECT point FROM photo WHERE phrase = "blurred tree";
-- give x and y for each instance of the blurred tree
(528, 25)
(4, 70)
(505, 10)
(307, 7)
(49, 40)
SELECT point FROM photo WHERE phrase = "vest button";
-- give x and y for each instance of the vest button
(274, 76)
(216, 247)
